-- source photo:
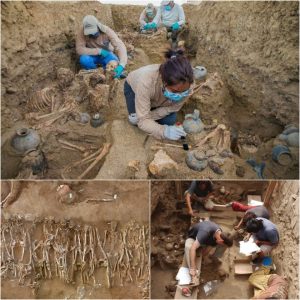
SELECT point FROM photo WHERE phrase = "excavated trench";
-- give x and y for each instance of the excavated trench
(252, 76)
(170, 223)
(74, 247)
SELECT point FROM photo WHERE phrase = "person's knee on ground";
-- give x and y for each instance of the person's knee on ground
(87, 62)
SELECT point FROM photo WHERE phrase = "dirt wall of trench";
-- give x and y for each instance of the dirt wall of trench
(254, 47)
(285, 214)
(37, 38)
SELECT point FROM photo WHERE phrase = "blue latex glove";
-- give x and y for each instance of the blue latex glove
(147, 26)
(103, 52)
(175, 26)
(174, 133)
(118, 71)
(153, 25)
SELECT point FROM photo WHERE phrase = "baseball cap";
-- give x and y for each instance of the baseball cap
(90, 25)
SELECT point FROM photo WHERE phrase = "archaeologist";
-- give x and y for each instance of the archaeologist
(265, 235)
(154, 94)
(171, 16)
(205, 235)
(199, 193)
(270, 286)
(255, 212)
(95, 43)
(147, 17)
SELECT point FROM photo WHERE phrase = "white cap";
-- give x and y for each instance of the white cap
(165, 2)
(90, 25)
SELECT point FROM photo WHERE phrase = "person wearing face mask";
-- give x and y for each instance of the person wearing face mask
(96, 43)
(147, 17)
(171, 16)
(154, 94)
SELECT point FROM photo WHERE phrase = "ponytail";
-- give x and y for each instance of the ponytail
(176, 69)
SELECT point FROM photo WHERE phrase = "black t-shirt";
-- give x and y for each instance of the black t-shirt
(204, 233)
(195, 189)
(259, 212)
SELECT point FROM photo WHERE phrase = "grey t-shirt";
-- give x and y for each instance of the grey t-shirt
(204, 233)
(194, 189)
(269, 232)
(259, 211)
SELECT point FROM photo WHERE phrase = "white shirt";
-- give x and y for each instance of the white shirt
(168, 18)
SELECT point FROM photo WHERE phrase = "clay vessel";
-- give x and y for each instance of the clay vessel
(200, 72)
(193, 123)
(25, 139)
(96, 120)
(195, 164)
(291, 139)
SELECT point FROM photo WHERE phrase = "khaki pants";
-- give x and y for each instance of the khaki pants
(219, 250)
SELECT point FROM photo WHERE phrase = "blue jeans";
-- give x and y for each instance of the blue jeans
(170, 119)
(91, 61)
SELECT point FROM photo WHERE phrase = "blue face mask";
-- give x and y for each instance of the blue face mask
(150, 14)
(168, 7)
(176, 97)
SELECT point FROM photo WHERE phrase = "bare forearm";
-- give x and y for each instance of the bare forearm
(240, 223)
(188, 202)
(193, 258)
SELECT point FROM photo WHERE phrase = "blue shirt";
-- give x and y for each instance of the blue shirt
(204, 233)
(268, 233)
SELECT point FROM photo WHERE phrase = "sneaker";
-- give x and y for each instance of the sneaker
(132, 118)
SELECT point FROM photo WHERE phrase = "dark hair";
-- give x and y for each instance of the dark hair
(254, 225)
(248, 216)
(176, 68)
(227, 238)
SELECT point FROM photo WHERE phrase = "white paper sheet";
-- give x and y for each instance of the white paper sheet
(248, 248)
(183, 276)
(255, 203)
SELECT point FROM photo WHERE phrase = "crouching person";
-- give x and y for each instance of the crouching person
(264, 234)
(207, 236)
(96, 43)
(155, 93)
(146, 18)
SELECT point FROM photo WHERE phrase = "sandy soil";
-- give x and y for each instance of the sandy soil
(252, 84)
(38, 203)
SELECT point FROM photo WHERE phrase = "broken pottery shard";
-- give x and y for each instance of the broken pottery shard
(194, 163)
(161, 162)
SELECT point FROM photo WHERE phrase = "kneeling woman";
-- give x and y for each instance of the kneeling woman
(155, 93)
